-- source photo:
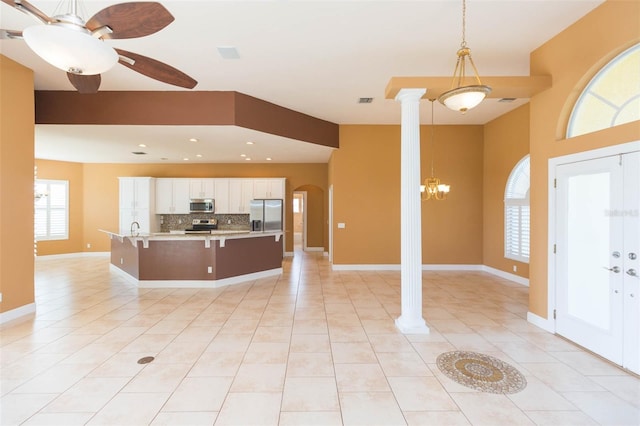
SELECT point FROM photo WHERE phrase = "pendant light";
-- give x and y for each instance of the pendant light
(432, 189)
(463, 98)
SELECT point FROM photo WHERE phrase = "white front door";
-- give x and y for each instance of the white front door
(597, 239)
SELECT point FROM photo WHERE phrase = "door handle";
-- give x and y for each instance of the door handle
(632, 272)
(615, 269)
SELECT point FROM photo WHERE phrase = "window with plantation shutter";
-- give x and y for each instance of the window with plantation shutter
(517, 225)
(51, 210)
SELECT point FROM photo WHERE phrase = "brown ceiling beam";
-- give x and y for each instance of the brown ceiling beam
(502, 87)
(146, 108)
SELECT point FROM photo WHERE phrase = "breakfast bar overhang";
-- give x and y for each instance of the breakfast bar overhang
(197, 261)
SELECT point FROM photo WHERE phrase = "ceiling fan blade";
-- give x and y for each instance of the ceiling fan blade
(155, 69)
(29, 9)
(131, 20)
(85, 84)
(10, 34)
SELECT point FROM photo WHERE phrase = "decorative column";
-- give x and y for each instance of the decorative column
(410, 320)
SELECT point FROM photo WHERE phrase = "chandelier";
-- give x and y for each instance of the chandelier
(432, 188)
(463, 98)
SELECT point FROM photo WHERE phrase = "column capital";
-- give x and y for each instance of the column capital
(410, 94)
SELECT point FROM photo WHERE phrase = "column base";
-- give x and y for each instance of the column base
(412, 326)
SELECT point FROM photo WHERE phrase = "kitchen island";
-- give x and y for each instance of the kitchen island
(196, 260)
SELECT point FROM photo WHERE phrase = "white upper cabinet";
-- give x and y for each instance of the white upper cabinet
(172, 196)
(268, 188)
(202, 188)
(240, 195)
(221, 197)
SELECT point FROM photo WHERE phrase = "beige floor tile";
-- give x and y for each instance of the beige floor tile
(151, 343)
(267, 353)
(130, 409)
(120, 365)
(16, 408)
(310, 365)
(344, 333)
(201, 418)
(361, 378)
(370, 408)
(421, 394)
(88, 395)
(309, 326)
(310, 343)
(225, 364)
(588, 364)
(435, 418)
(56, 379)
(624, 387)
(259, 378)
(490, 409)
(310, 394)
(272, 334)
(561, 377)
(560, 418)
(199, 394)
(429, 351)
(158, 378)
(264, 409)
(390, 343)
(537, 396)
(59, 419)
(406, 364)
(469, 342)
(229, 343)
(605, 407)
(379, 327)
(311, 418)
(525, 352)
(357, 352)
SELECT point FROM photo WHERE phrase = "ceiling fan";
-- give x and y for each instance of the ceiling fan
(68, 42)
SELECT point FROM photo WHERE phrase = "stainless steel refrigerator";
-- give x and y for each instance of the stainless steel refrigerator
(266, 215)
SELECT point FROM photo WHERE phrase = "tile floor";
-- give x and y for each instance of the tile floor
(310, 347)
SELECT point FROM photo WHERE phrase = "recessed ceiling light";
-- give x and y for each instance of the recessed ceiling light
(228, 52)
(141, 145)
(248, 159)
(268, 158)
(193, 140)
(249, 143)
(186, 159)
(199, 155)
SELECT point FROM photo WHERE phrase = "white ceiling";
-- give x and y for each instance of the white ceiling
(315, 57)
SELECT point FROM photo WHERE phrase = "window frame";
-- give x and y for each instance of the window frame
(521, 205)
(49, 236)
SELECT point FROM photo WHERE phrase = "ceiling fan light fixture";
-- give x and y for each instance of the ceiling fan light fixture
(70, 48)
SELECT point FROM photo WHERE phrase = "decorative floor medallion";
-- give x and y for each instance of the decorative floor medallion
(481, 372)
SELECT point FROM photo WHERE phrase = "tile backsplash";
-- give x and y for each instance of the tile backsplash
(177, 222)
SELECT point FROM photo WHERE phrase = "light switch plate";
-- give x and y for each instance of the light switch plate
(341, 225)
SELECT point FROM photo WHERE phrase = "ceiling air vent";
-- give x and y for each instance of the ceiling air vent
(365, 100)
(228, 52)
(139, 153)
(507, 100)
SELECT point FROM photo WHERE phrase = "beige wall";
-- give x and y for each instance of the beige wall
(96, 207)
(506, 141)
(16, 185)
(572, 58)
(365, 173)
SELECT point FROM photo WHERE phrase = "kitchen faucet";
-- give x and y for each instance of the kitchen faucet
(137, 225)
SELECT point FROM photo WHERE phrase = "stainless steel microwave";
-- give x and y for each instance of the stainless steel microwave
(201, 205)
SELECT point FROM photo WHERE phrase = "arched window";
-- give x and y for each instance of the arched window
(516, 213)
(611, 98)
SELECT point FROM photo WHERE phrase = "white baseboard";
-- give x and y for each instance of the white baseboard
(77, 254)
(17, 313)
(452, 267)
(545, 324)
(372, 267)
(506, 275)
(314, 249)
(443, 267)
